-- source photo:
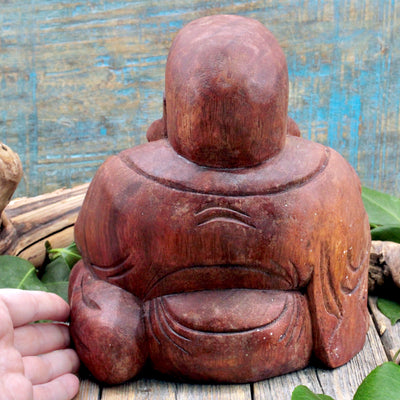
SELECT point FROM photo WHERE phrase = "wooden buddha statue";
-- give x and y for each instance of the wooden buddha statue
(227, 249)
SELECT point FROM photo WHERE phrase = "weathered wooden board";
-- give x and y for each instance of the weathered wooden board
(82, 80)
(88, 390)
(340, 383)
(390, 334)
(161, 390)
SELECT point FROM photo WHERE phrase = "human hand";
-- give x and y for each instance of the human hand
(35, 363)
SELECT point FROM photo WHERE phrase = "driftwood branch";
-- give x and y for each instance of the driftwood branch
(27, 223)
(384, 268)
(10, 175)
(33, 221)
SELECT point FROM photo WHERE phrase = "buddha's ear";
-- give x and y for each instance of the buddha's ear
(158, 129)
(164, 118)
(292, 128)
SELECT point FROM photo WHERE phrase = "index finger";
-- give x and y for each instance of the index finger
(27, 306)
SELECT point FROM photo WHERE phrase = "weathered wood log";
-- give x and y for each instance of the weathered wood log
(10, 175)
(27, 223)
(384, 269)
(30, 222)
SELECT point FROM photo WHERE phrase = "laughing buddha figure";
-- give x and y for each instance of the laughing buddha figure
(227, 248)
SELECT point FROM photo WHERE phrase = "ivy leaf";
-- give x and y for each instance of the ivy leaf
(386, 232)
(382, 209)
(70, 254)
(382, 383)
(18, 273)
(304, 393)
(56, 276)
(389, 308)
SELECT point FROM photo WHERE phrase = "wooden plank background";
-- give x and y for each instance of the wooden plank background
(81, 80)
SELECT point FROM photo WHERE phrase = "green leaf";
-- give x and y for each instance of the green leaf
(304, 393)
(387, 232)
(59, 288)
(382, 383)
(382, 209)
(70, 254)
(56, 276)
(389, 308)
(18, 273)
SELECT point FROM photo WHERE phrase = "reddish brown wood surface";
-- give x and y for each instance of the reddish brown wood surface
(226, 250)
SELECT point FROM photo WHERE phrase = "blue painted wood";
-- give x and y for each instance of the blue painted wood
(83, 80)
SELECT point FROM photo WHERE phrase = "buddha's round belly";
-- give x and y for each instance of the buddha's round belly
(236, 335)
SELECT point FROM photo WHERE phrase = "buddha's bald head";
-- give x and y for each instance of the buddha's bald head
(226, 92)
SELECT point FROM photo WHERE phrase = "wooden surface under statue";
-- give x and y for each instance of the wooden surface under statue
(227, 249)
